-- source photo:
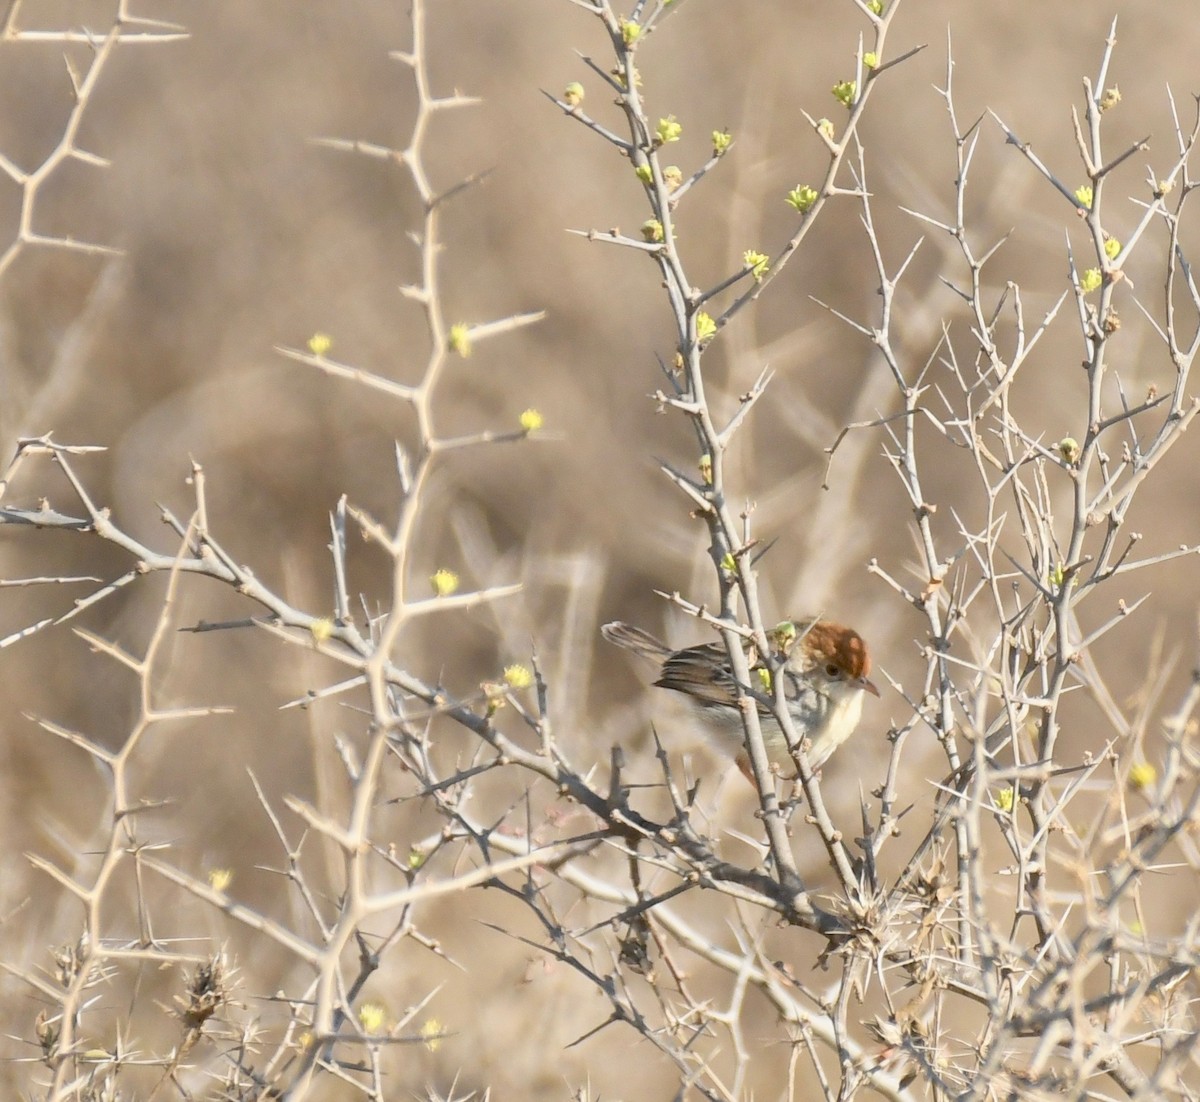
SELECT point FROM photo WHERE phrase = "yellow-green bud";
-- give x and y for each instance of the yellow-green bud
(728, 563)
(825, 129)
(706, 328)
(706, 469)
(444, 582)
(644, 173)
(1068, 448)
(431, 1033)
(372, 1016)
(320, 343)
(1111, 97)
(321, 630)
(573, 94)
(652, 231)
(764, 678)
(1111, 247)
(668, 130)
(844, 92)
(758, 263)
(630, 31)
(220, 879)
(876, 6)
(1004, 799)
(532, 420)
(1090, 280)
(783, 634)
(1083, 195)
(870, 61)
(721, 141)
(460, 339)
(1142, 776)
(802, 197)
(672, 176)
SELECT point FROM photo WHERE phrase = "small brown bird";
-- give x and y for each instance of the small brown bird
(825, 678)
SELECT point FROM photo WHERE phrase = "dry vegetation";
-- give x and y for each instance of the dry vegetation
(331, 450)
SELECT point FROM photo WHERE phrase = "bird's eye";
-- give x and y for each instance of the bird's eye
(832, 670)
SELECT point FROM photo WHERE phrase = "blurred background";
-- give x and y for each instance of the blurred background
(238, 233)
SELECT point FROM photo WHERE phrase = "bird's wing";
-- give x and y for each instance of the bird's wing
(701, 672)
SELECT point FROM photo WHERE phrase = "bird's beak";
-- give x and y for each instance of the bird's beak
(867, 686)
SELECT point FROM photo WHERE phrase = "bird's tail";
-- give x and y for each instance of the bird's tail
(634, 639)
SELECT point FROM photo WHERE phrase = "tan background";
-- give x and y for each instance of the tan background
(239, 234)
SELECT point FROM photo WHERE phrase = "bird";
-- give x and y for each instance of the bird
(824, 683)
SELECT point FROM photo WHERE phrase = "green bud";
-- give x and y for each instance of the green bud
(459, 339)
(783, 635)
(758, 263)
(802, 197)
(668, 130)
